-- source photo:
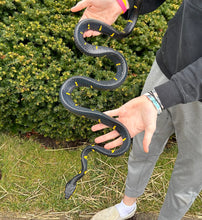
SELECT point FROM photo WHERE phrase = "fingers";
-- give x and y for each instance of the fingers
(147, 138)
(112, 113)
(80, 5)
(114, 143)
(109, 136)
(98, 127)
(91, 33)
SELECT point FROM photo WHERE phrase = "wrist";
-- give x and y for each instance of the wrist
(124, 5)
(153, 97)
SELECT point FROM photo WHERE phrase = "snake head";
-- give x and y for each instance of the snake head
(70, 188)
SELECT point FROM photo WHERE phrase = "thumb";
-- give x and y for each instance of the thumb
(147, 139)
(80, 5)
(112, 113)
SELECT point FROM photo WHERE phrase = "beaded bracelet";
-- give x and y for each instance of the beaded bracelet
(154, 93)
(122, 3)
(156, 102)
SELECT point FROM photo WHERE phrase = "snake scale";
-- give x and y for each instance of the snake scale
(82, 81)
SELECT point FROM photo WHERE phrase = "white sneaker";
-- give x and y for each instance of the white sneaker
(111, 213)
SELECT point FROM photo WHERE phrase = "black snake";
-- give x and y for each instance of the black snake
(82, 81)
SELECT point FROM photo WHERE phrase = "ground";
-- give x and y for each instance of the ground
(63, 216)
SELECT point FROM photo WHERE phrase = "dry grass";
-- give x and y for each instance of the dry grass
(33, 181)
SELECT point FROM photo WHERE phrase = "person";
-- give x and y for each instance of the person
(170, 103)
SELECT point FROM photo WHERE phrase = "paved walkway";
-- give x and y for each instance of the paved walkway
(150, 216)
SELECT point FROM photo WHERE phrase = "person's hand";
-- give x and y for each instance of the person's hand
(103, 10)
(139, 114)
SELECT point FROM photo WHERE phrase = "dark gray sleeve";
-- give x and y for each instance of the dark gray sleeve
(146, 6)
(183, 87)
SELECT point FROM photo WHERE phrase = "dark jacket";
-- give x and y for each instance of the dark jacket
(180, 55)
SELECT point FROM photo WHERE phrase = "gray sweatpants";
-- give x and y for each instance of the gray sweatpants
(185, 120)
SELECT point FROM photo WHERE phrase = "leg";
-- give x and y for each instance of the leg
(186, 180)
(141, 164)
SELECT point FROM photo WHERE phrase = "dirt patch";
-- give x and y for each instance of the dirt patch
(48, 142)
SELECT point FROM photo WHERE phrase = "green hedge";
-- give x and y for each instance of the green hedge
(37, 54)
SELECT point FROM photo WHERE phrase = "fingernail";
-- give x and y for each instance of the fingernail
(97, 140)
(107, 146)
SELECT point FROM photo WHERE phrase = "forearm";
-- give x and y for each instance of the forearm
(183, 87)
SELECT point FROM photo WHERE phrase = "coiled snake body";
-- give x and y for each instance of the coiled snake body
(82, 81)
